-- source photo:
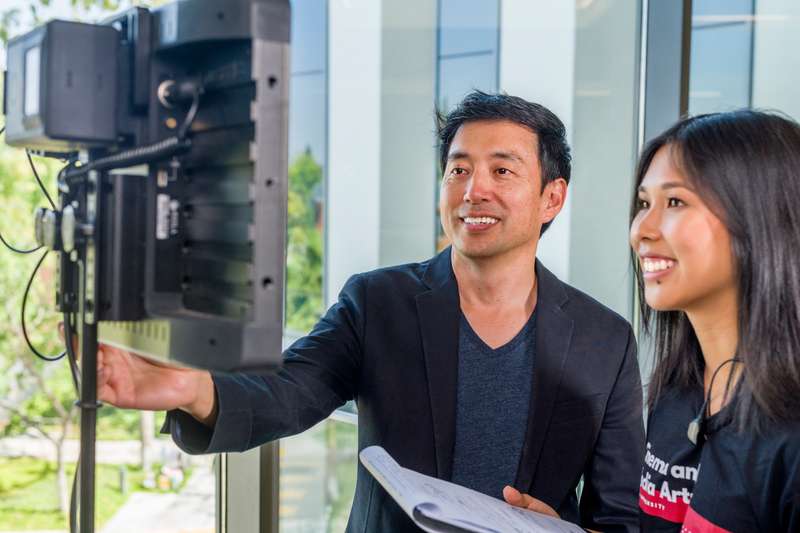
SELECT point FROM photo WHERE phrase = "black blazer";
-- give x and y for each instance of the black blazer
(391, 343)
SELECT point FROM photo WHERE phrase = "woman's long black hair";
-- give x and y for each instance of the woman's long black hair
(745, 165)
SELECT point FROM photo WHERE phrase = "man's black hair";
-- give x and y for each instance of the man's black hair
(553, 150)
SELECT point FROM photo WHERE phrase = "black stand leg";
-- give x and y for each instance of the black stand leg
(88, 405)
(88, 299)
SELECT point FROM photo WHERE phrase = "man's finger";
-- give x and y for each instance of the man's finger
(513, 496)
(106, 394)
(518, 499)
(540, 507)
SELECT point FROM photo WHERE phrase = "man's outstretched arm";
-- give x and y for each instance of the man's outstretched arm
(212, 412)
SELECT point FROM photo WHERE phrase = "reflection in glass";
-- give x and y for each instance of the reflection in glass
(776, 61)
(721, 55)
(460, 75)
(744, 54)
(468, 37)
(318, 478)
(468, 26)
(468, 49)
(317, 468)
(307, 159)
(304, 249)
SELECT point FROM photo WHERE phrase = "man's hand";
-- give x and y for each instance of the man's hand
(517, 499)
(129, 381)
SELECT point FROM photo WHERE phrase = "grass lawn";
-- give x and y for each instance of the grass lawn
(29, 499)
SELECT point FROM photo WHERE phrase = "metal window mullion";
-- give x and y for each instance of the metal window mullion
(667, 57)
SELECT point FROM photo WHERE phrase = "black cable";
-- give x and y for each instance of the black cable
(73, 499)
(145, 154)
(191, 114)
(69, 333)
(69, 329)
(7, 245)
(707, 400)
(41, 185)
(39, 180)
(696, 428)
(18, 250)
(24, 328)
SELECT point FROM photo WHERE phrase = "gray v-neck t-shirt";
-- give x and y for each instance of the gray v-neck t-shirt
(494, 389)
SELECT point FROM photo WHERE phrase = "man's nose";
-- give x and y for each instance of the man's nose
(478, 188)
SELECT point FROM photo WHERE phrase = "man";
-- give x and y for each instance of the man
(477, 366)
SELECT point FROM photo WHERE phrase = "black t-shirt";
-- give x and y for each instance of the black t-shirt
(731, 482)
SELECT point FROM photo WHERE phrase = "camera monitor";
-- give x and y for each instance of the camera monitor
(174, 124)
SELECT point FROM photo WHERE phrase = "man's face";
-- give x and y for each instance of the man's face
(491, 200)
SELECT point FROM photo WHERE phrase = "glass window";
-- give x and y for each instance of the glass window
(743, 55)
(143, 481)
(307, 160)
(468, 26)
(468, 37)
(468, 50)
(317, 468)
(318, 478)
(776, 61)
(721, 55)
(459, 75)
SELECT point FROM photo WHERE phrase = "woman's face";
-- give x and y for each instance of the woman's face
(684, 250)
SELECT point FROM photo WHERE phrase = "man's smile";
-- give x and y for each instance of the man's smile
(479, 223)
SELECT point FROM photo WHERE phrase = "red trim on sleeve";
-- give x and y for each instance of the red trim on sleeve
(695, 523)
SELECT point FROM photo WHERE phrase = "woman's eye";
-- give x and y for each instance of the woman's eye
(458, 171)
(642, 204)
(675, 202)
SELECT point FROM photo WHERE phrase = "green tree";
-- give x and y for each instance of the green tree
(13, 19)
(305, 244)
(35, 397)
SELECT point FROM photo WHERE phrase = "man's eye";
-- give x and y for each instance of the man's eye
(675, 202)
(458, 171)
(503, 171)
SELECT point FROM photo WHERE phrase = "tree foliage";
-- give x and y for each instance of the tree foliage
(36, 397)
(18, 16)
(305, 244)
(18, 368)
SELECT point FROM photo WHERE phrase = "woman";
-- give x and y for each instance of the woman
(715, 231)
(715, 234)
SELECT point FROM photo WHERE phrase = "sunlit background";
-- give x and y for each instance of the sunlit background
(366, 76)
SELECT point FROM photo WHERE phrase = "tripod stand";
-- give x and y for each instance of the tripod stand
(77, 233)
(74, 232)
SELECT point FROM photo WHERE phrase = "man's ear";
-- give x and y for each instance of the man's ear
(553, 197)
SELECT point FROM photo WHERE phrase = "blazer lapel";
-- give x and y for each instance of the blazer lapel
(438, 311)
(553, 338)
